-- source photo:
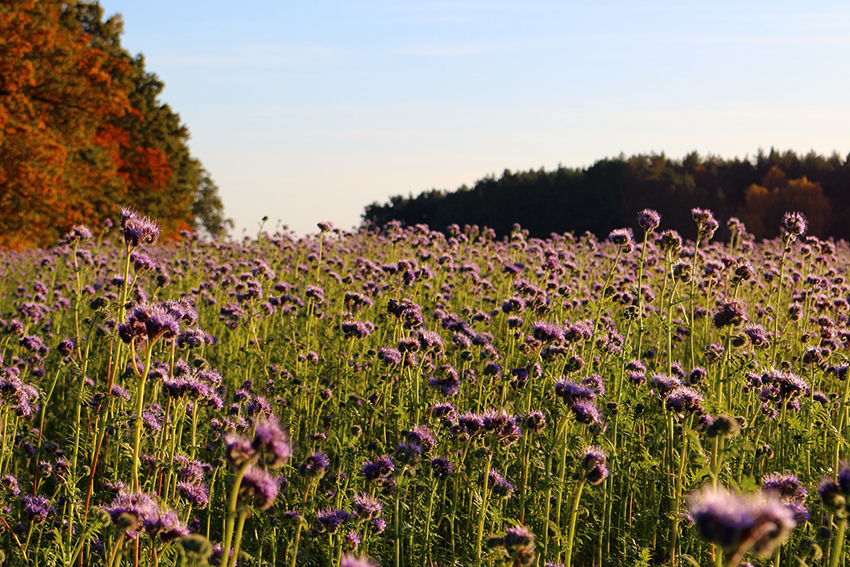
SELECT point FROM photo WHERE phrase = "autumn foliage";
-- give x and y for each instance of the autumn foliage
(81, 130)
(767, 202)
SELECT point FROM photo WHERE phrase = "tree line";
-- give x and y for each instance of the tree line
(607, 194)
(83, 132)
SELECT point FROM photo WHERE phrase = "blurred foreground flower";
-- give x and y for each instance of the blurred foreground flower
(739, 524)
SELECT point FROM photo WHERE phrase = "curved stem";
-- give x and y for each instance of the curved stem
(568, 559)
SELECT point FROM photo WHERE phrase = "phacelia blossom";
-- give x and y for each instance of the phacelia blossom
(378, 470)
(706, 223)
(623, 237)
(794, 224)
(741, 523)
(594, 463)
(259, 488)
(138, 230)
(518, 542)
(367, 507)
(349, 560)
(139, 512)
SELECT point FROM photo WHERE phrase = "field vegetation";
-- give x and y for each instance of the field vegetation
(414, 398)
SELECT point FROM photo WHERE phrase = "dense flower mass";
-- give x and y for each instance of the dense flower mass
(424, 398)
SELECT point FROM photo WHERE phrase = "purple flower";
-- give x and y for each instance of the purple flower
(349, 560)
(547, 332)
(623, 238)
(757, 335)
(149, 322)
(197, 495)
(738, 524)
(422, 435)
(378, 470)
(138, 230)
(794, 224)
(258, 489)
(595, 464)
(683, 401)
(500, 487)
(730, 313)
(442, 468)
(237, 449)
(664, 384)
(571, 392)
(367, 507)
(706, 223)
(38, 508)
(585, 412)
(518, 543)
(271, 442)
(788, 488)
(331, 519)
(10, 484)
(137, 512)
(648, 220)
(390, 356)
(314, 466)
(77, 234)
(357, 329)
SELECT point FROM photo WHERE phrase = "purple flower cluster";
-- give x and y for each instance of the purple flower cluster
(270, 445)
(135, 513)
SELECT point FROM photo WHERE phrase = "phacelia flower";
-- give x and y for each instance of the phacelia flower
(739, 524)
(258, 489)
(594, 462)
(648, 220)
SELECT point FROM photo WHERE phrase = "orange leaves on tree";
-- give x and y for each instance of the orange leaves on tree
(765, 204)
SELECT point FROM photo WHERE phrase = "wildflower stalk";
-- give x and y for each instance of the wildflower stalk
(838, 544)
(397, 526)
(237, 540)
(232, 501)
(427, 554)
(602, 299)
(562, 472)
(140, 399)
(677, 494)
(483, 512)
(300, 525)
(116, 548)
(640, 292)
(718, 388)
(576, 497)
(693, 302)
(786, 246)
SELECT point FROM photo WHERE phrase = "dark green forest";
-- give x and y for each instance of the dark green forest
(608, 194)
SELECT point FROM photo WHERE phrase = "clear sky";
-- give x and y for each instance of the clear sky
(308, 111)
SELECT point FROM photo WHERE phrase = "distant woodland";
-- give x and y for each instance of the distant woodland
(609, 193)
(82, 130)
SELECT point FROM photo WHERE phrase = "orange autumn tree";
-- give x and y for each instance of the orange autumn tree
(82, 131)
(767, 202)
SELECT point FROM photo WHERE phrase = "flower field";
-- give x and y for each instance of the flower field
(409, 398)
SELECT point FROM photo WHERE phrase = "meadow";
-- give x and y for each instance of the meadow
(409, 398)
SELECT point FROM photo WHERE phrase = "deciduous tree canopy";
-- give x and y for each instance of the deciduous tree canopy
(605, 196)
(82, 131)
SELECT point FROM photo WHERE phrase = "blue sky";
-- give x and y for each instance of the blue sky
(308, 111)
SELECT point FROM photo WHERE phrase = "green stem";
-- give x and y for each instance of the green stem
(482, 514)
(140, 400)
(237, 541)
(838, 544)
(568, 558)
(232, 501)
